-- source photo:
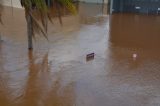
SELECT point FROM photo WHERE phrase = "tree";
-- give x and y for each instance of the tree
(37, 13)
(41, 8)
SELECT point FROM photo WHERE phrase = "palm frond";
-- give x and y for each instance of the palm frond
(41, 9)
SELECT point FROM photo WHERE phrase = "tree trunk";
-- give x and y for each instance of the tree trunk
(30, 31)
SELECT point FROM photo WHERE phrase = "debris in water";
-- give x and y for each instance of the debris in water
(90, 56)
(134, 56)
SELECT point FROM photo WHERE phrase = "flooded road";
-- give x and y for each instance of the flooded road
(56, 72)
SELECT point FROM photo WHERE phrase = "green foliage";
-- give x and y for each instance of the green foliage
(40, 8)
(37, 11)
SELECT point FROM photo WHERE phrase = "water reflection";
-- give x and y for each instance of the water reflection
(42, 88)
(136, 31)
(5, 97)
(129, 34)
(56, 72)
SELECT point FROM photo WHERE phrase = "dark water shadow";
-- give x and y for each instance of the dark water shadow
(44, 87)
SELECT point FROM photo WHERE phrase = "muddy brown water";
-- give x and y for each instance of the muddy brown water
(56, 73)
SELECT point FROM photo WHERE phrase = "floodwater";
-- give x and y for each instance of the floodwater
(56, 72)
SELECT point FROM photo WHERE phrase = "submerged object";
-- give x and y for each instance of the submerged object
(134, 56)
(90, 56)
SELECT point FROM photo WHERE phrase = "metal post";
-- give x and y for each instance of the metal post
(111, 6)
(49, 3)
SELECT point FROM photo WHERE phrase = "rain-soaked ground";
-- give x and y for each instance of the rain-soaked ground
(56, 73)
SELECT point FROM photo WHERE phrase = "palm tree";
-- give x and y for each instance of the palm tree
(38, 11)
(41, 8)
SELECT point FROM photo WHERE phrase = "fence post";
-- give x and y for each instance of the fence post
(111, 6)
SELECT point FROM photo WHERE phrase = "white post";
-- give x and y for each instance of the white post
(111, 6)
